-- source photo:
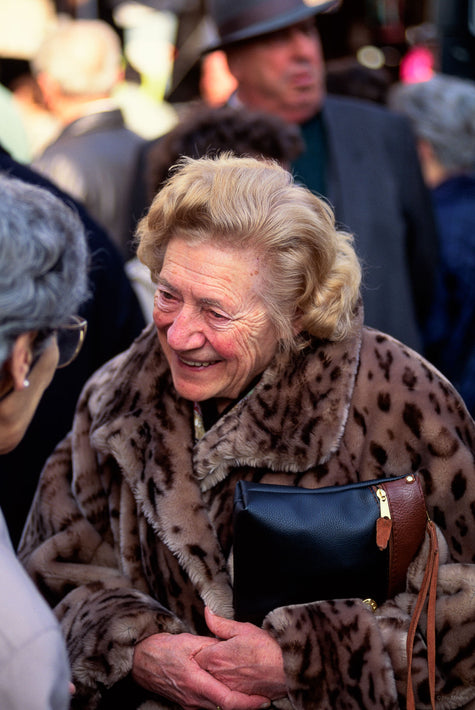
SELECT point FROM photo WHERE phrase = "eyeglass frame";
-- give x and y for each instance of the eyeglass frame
(79, 324)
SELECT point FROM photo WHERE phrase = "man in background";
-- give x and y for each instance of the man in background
(77, 67)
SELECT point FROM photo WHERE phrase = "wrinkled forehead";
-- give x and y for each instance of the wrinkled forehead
(206, 272)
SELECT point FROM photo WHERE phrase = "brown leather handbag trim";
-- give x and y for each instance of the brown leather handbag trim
(409, 519)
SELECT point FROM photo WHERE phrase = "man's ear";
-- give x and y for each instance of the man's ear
(49, 88)
(425, 150)
(20, 359)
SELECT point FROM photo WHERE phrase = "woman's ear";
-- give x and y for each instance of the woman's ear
(18, 364)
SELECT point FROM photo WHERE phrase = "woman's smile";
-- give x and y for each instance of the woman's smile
(196, 363)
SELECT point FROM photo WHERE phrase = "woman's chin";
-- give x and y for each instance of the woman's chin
(194, 393)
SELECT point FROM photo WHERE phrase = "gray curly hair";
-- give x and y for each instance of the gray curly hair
(442, 112)
(43, 261)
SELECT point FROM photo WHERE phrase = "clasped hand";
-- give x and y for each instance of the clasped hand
(240, 669)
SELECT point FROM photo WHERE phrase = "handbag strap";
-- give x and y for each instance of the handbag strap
(428, 591)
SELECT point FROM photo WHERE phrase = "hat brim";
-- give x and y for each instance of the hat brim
(271, 25)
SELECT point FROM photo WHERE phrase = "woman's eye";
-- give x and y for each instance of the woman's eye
(218, 316)
(166, 296)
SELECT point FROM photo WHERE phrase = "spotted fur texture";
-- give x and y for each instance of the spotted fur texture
(130, 531)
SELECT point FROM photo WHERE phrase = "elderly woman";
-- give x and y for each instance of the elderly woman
(257, 367)
(43, 258)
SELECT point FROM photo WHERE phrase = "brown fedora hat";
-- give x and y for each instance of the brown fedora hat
(243, 19)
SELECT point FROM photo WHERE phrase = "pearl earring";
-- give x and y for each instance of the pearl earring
(26, 383)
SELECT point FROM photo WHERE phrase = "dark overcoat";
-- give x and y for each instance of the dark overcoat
(94, 159)
(375, 186)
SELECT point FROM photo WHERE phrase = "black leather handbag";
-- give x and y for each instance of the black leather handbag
(296, 545)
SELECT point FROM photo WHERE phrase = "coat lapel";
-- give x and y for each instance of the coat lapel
(348, 160)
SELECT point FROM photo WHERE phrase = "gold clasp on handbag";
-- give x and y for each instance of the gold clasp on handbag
(384, 523)
(383, 504)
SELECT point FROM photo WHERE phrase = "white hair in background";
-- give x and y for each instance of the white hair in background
(83, 56)
(442, 112)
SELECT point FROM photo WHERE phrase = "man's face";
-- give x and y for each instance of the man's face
(282, 72)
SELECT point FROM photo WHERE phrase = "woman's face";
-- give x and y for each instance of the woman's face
(212, 325)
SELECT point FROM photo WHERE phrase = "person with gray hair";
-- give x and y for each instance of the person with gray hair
(77, 67)
(442, 113)
(43, 281)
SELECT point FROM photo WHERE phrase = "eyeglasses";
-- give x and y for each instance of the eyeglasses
(69, 338)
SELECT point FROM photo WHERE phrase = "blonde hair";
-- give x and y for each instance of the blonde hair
(312, 274)
(83, 56)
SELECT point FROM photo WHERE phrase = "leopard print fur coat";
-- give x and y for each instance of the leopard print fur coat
(130, 533)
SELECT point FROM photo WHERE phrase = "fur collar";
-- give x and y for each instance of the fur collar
(293, 419)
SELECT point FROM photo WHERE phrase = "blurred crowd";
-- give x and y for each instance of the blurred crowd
(375, 113)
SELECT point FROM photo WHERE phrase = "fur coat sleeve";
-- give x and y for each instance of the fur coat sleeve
(130, 531)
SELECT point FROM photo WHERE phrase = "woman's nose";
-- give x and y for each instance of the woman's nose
(185, 332)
